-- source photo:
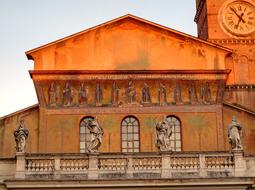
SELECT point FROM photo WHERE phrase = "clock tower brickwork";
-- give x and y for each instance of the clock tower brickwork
(209, 17)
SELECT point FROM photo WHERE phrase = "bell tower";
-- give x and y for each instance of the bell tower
(231, 23)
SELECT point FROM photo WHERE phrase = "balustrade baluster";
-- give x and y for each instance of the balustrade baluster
(29, 165)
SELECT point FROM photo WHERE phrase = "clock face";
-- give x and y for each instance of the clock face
(238, 18)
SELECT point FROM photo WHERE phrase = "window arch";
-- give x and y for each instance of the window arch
(84, 134)
(175, 139)
(130, 134)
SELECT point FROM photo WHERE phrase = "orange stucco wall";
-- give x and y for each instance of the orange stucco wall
(60, 132)
(63, 132)
(11, 123)
(247, 121)
(126, 45)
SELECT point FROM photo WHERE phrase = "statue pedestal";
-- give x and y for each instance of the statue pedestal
(20, 165)
(165, 172)
(93, 166)
(240, 164)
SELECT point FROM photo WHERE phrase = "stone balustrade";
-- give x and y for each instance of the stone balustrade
(138, 165)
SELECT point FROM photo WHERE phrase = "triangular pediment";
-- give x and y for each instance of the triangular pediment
(129, 43)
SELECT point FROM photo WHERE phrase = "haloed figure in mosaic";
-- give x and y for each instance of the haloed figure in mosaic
(205, 93)
(67, 95)
(52, 95)
(83, 94)
(192, 92)
(98, 95)
(131, 93)
(115, 94)
(146, 94)
(162, 94)
(178, 93)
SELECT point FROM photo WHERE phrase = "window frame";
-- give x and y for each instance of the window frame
(85, 141)
(174, 133)
(138, 133)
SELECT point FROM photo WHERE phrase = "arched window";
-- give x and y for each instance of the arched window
(84, 134)
(130, 135)
(175, 139)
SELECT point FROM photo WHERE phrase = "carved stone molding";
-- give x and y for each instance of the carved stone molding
(128, 75)
(234, 41)
(240, 87)
(137, 109)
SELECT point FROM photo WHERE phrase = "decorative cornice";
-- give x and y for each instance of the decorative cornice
(128, 74)
(239, 107)
(68, 72)
(170, 183)
(136, 110)
(233, 41)
(240, 87)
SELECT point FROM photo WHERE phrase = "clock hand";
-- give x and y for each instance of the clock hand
(236, 26)
(240, 17)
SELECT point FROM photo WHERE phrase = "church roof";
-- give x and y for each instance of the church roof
(128, 16)
(19, 111)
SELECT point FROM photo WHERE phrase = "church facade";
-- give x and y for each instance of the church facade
(133, 104)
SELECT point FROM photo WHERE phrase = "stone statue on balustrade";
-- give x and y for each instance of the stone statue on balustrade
(52, 94)
(163, 134)
(131, 93)
(98, 95)
(83, 94)
(96, 134)
(67, 95)
(234, 135)
(162, 95)
(146, 94)
(21, 135)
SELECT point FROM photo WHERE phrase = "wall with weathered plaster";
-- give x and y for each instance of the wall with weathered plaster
(128, 44)
(10, 123)
(199, 131)
(247, 121)
(7, 168)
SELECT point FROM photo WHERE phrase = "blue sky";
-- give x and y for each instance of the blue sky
(26, 24)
